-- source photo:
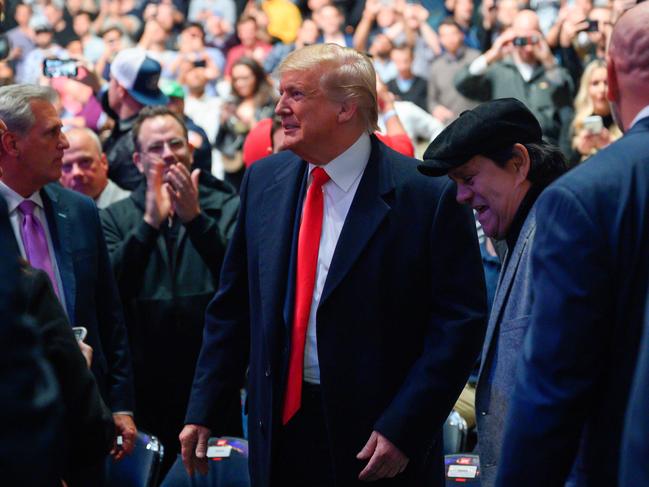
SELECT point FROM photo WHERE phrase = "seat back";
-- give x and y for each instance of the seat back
(141, 467)
(223, 472)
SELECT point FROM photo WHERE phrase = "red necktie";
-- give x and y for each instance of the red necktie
(307, 261)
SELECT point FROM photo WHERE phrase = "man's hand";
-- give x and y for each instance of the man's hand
(125, 426)
(502, 46)
(86, 351)
(443, 114)
(158, 202)
(193, 443)
(542, 51)
(184, 192)
(385, 459)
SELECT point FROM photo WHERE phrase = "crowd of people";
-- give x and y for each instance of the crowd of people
(357, 215)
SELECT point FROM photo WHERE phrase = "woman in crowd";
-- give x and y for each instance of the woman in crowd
(593, 127)
(253, 99)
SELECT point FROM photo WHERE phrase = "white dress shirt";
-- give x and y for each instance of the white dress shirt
(13, 199)
(345, 172)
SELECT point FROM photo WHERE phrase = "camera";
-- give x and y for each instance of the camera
(593, 26)
(54, 68)
(524, 41)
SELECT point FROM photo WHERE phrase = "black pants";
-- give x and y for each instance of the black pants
(303, 456)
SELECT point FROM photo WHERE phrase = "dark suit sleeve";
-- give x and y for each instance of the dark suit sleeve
(455, 331)
(554, 383)
(88, 422)
(112, 330)
(475, 87)
(30, 401)
(226, 336)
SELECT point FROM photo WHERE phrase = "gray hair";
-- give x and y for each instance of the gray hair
(15, 105)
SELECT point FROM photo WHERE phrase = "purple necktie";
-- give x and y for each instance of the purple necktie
(35, 241)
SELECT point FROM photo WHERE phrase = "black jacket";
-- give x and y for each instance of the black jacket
(165, 292)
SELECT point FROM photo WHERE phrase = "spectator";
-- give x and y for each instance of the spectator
(445, 103)
(462, 12)
(133, 84)
(202, 10)
(497, 17)
(253, 99)
(591, 100)
(426, 41)
(495, 155)
(307, 35)
(116, 13)
(250, 46)
(58, 231)
(196, 136)
(45, 47)
(330, 21)
(85, 169)
(21, 38)
(114, 42)
(93, 47)
(192, 52)
(590, 271)
(521, 65)
(202, 108)
(380, 50)
(157, 45)
(406, 86)
(6, 73)
(217, 31)
(167, 242)
(63, 31)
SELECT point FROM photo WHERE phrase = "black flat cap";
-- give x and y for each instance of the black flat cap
(488, 128)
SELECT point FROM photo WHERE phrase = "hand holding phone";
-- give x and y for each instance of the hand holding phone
(593, 124)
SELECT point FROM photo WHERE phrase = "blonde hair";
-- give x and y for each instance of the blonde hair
(346, 75)
(583, 103)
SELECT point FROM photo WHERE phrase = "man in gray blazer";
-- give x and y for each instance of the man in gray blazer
(500, 164)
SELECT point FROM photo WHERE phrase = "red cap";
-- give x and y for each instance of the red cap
(258, 143)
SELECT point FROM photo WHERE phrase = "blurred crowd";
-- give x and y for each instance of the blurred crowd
(217, 57)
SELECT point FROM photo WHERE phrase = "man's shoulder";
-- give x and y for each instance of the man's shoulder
(73, 199)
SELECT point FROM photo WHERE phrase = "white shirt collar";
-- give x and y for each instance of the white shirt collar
(348, 166)
(644, 113)
(14, 199)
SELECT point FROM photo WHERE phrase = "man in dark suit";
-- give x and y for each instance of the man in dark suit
(352, 288)
(500, 164)
(30, 395)
(58, 231)
(590, 267)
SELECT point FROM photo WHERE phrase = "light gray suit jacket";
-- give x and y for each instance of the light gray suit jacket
(503, 344)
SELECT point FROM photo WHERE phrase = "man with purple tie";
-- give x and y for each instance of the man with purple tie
(58, 231)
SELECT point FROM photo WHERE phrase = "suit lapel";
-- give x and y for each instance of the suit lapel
(277, 238)
(504, 286)
(60, 227)
(366, 213)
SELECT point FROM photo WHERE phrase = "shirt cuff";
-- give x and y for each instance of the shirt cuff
(126, 413)
(478, 66)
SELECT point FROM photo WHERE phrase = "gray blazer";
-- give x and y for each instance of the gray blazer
(510, 315)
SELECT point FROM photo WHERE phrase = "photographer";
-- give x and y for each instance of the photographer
(521, 65)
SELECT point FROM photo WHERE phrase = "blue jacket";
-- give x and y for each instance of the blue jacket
(590, 270)
(399, 325)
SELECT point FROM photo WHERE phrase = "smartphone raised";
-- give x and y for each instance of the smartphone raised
(593, 124)
(55, 68)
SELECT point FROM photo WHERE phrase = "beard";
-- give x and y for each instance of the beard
(617, 117)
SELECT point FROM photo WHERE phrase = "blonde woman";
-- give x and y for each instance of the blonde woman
(588, 132)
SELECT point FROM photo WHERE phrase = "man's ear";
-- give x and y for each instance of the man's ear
(137, 160)
(521, 162)
(9, 144)
(613, 92)
(347, 111)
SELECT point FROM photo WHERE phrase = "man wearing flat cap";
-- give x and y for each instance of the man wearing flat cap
(500, 164)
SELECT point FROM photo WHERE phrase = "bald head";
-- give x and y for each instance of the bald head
(629, 48)
(525, 21)
(628, 64)
(85, 168)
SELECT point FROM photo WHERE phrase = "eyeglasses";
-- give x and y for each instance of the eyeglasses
(174, 145)
(83, 164)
